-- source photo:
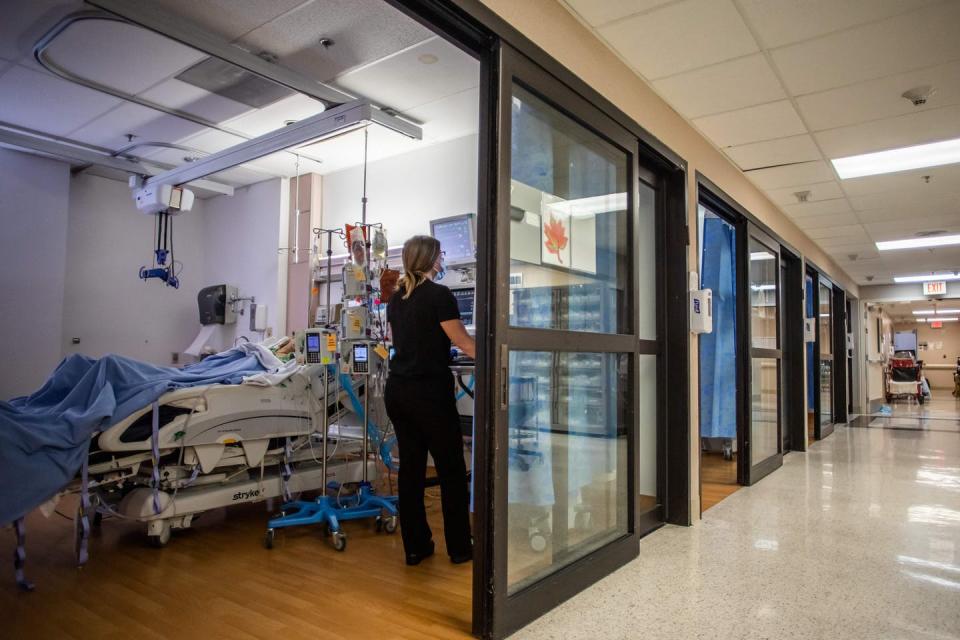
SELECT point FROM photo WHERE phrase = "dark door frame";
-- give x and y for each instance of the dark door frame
(794, 354)
(820, 429)
(840, 355)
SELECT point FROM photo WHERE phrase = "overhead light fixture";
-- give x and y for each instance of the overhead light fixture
(931, 312)
(954, 319)
(918, 243)
(919, 156)
(763, 287)
(928, 277)
(761, 255)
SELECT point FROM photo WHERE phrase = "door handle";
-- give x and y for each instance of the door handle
(504, 376)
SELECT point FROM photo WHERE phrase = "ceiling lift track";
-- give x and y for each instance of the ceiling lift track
(330, 123)
(74, 152)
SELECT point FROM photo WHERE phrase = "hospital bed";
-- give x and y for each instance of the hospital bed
(212, 446)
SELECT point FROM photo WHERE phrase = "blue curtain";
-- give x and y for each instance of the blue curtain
(718, 356)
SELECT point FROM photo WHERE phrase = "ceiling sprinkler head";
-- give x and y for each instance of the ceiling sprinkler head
(269, 57)
(326, 43)
(919, 95)
(853, 257)
(802, 196)
(869, 278)
(926, 179)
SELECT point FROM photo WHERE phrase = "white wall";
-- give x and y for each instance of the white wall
(33, 215)
(240, 238)
(106, 304)
(407, 191)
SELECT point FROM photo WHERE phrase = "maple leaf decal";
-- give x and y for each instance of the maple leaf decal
(556, 234)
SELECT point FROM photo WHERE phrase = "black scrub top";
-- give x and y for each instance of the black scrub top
(422, 348)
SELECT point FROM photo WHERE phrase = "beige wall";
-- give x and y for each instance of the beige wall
(876, 352)
(940, 356)
(560, 34)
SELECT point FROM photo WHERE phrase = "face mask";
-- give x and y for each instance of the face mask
(442, 271)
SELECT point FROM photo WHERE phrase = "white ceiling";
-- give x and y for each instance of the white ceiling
(377, 53)
(903, 311)
(783, 86)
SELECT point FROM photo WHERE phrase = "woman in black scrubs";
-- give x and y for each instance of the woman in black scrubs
(424, 321)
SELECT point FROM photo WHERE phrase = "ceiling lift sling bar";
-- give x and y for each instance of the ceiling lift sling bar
(164, 196)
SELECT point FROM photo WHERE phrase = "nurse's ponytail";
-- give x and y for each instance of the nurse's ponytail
(420, 253)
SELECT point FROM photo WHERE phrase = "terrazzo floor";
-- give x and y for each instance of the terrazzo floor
(857, 538)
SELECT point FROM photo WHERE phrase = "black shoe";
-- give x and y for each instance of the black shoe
(414, 559)
(460, 558)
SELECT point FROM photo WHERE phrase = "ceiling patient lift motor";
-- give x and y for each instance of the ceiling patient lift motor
(162, 201)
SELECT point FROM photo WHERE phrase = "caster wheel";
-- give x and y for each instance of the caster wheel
(390, 524)
(538, 542)
(268, 539)
(161, 539)
(340, 541)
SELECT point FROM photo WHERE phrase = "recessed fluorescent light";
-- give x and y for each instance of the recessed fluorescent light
(930, 277)
(761, 255)
(917, 243)
(938, 319)
(930, 312)
(763, 287)
(934, 154)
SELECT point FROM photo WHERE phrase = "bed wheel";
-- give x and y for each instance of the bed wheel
(390, 524)
(161, 539)
(340, 541)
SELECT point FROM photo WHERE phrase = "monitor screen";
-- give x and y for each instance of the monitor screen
(359, 353)
(456, 238)
(313, 343)
(465, 303)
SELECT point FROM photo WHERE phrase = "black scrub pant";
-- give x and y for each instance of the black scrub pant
(425, 419)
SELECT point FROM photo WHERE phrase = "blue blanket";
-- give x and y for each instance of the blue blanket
(45, 437)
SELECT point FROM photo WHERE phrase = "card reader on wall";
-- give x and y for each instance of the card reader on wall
(701, 311)
(214, 304)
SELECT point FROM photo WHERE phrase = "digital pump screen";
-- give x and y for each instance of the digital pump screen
(359, 353)
(456, 239)
(313, 343)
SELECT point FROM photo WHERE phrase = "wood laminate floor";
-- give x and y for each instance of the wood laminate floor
(218, 581)
(718, 478)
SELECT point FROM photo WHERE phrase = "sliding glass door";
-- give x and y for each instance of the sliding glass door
(825, 344)
(762, 440)
(575, 416)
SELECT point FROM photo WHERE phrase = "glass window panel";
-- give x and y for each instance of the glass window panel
(647, 267)
(764, 394)
(567, 478)
(826, 391)
(569, 260)
(826, 318)
(647, 437)
(763, 296)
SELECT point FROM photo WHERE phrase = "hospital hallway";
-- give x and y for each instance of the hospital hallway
(857, 538)
(217, 581)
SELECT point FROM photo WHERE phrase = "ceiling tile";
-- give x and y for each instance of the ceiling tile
(908, 201)
(124, 56)
(817, 208)
(819, 191)
(45, 103)
(597, 13)
(110, 130)
(916, 128)
(918, 39)
(451, 117)
(817, 222)
(362, 31)
(771, 153)
(916, 213)
(229, 19)
(722, 87)
(680, 37)
(880, 98)
(791, 175)
(908, 227)
(274, 116)
(753, 124)
(780, 22)
(176, 94)
(404, 81)
(24, 23)
(851, 232)
(943, 180)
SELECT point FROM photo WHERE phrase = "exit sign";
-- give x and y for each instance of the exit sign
(936, 288)
(936, 324)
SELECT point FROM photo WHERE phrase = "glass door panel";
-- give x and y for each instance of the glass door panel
(825, 342)
(764, 442)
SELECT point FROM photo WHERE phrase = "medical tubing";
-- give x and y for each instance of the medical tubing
(84, 523)
(285, 471)
(20, 556)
